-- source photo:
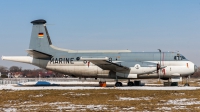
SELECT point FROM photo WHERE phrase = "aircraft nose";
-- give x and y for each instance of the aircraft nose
(195, 68)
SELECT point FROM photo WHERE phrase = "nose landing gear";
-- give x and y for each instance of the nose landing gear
(187, 81)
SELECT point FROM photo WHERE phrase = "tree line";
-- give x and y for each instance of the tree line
(15, 71)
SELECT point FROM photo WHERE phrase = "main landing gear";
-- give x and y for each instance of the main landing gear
(130, 83)
(118, 84)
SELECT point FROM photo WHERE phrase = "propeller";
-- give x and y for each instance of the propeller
(159, 65)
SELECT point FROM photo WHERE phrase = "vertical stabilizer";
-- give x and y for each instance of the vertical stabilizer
(40, 39)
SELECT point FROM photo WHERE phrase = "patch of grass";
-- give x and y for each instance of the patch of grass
(41, 100)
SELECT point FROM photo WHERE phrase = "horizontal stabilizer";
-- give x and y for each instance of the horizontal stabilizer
(23, 59)
(37, 54)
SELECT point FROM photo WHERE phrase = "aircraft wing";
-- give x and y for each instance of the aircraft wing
(103, 63)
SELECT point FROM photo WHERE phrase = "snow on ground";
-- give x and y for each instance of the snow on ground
(165, 108)
(179, 108)
(166, 105)
(183, 101)
(36, 95)
(9, 109)
(79, 94)
(159, 88)
(170, 108)
(129, 98)
(178, 104)
(72, 107)
(67, 106)
(128, 109)
(15, 87)
(178, 94)
(69, 83)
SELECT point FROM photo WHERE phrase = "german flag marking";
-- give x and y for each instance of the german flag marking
(40, 35)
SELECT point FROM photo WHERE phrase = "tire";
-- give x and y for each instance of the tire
(118, 84)
(130, 84)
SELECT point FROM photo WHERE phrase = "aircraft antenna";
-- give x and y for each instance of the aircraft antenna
(159, 66)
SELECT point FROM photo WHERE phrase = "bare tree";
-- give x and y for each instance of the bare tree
(3, 69)
(196, 74)
(15, 69)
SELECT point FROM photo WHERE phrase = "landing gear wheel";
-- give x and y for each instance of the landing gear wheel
(187, 84)
(118, 84)
(130, 84)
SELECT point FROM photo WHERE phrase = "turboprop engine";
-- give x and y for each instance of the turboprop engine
(137, 68)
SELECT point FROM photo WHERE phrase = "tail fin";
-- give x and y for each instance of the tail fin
(40, 40)
(41, 45)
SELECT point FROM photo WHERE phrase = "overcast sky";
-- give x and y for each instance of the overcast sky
(138, 25)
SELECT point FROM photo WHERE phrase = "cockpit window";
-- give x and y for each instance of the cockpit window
(179, 57)
(183, 57)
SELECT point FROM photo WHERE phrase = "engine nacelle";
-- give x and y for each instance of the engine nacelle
(137, 68)
(140, 67)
